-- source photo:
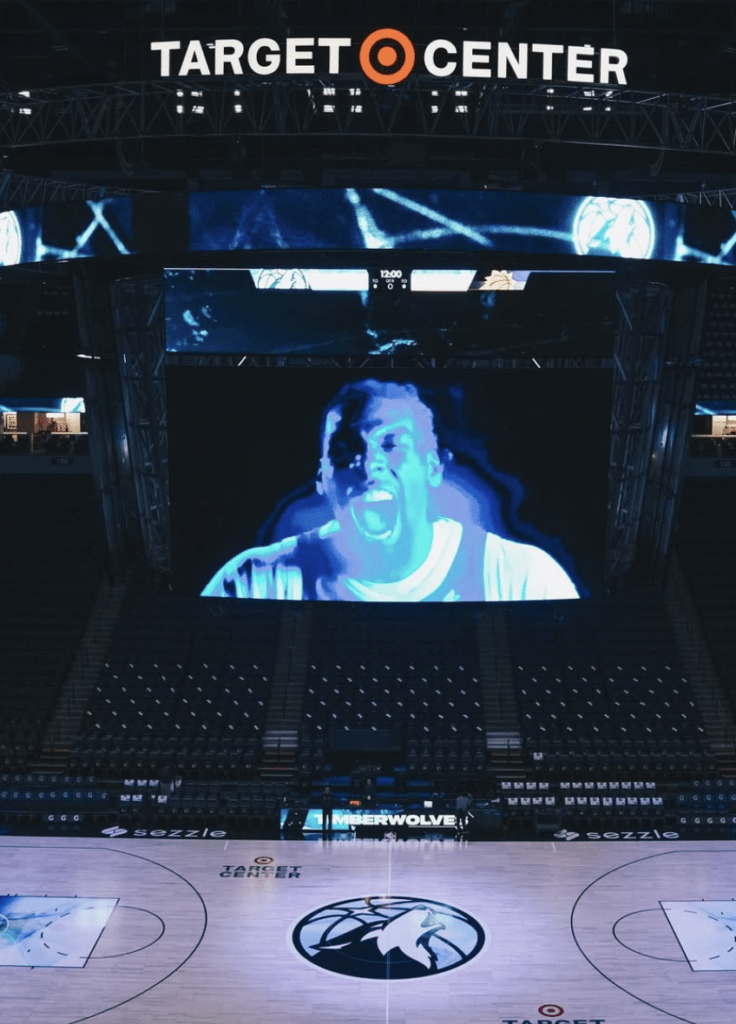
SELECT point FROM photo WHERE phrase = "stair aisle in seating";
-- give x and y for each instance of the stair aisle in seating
(281, 733)
(700, 669)
(64, 727)
(503, 738)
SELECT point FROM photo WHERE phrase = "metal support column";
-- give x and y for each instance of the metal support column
(138, 317)
(673, 423)
(108, 436)
(643, 310)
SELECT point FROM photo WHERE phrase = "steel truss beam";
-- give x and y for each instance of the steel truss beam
(420, 107)
(721, 197)
(19, 191)
(672, 429)
(643, 321)
(108, 432)
(138, 316)
(658, 340)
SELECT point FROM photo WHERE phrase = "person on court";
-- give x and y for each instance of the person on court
(328, 803)
(462, 808)
(379, 466)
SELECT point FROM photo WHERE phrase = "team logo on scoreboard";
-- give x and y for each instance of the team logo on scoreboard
(614, 227)
(11, 239)
(388, 938)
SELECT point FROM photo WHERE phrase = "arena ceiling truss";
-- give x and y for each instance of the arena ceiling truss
(420, 107)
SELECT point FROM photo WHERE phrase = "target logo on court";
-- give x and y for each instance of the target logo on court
(387, 56)
(388, 938)
(550, 1010)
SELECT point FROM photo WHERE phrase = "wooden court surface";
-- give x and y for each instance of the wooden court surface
(125, 931)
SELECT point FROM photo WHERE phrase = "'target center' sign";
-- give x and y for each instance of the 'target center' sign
(388, 56)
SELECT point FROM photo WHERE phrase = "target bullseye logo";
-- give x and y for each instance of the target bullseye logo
(550, 1010)
(263, 860)
(387, 56)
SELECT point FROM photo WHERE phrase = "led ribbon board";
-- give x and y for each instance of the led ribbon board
(376, 218)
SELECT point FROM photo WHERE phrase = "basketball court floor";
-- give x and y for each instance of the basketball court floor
(177, 931)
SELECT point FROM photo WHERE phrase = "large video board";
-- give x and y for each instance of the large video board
(385, 310)
(369, 218)
(388, 485)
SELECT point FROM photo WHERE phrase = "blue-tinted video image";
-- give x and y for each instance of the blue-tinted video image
(67, 231)
(423, 219)
(320, 219)
(478, 310)
(336, 486)
(458, 219)
(368, 219)
(385, 540)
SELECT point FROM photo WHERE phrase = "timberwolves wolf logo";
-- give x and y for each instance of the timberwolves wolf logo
(388, 937)
(614, 227)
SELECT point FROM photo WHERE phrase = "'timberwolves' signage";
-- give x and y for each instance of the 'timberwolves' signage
(388, 56)
(343, 820)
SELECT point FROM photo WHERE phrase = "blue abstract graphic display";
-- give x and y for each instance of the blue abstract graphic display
(67, 231)
(423, 219)
(381, 488)
(378, 218)
(418, 219)
(60, 405)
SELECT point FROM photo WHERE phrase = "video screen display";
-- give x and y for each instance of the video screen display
(322, 219)
(388, 485)
(58, 407)
(303, 310)
(435, 219)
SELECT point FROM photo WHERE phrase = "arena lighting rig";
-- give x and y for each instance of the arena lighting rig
(388, 56)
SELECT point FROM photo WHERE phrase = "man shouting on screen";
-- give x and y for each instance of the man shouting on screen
(379, 467)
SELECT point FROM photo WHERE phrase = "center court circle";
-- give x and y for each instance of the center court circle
(377, 52)
(388, 938)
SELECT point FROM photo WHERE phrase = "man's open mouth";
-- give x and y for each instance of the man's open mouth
(375, 513)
